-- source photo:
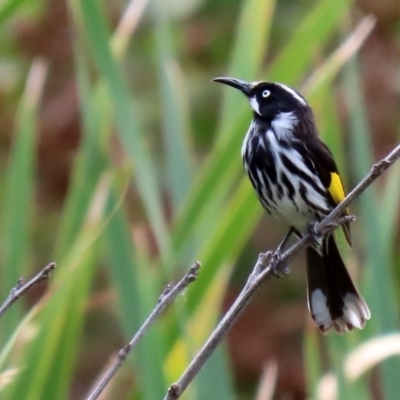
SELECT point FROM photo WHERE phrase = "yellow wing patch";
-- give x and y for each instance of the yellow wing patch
(336, 188)
(337, 192)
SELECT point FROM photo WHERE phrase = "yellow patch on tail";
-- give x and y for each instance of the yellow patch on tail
(336, 188)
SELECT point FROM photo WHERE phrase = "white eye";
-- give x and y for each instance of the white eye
(266, 93)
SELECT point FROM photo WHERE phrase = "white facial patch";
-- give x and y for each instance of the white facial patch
(254, 84)
(254, 105)
(283, 124)
(293, 93)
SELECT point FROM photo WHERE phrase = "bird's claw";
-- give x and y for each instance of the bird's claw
(317, 237)
(277, 269)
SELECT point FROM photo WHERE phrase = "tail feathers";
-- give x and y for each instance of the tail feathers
(333, 300)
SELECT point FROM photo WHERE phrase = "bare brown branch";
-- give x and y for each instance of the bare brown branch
(261, 272)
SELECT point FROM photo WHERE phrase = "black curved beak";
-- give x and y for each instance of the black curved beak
(243, 86)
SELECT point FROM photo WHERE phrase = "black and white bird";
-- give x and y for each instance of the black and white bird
(296, 179)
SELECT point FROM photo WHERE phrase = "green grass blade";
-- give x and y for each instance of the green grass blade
(175, 112)
(90, 160)
(95, 29)
(240, 216)
(312, 34)
(217, 366)
(18, 193)
(137, 289)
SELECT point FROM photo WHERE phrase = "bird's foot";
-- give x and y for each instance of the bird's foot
(277, 268)
(316, 236)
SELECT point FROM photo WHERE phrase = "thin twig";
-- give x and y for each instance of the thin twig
(169, 294)
(22, 287)
(261, 272)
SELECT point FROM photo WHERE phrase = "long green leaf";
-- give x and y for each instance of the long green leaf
(128, 128)
(18, 193)
(175, 111)
(137, 290)
(315, 30)
(90, 160)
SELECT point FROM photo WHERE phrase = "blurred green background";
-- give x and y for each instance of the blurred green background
(120, 161)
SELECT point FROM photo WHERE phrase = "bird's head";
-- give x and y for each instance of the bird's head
(268, 99)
